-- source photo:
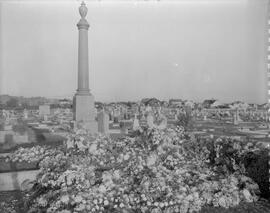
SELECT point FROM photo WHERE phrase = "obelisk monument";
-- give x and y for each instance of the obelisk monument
(83, 101)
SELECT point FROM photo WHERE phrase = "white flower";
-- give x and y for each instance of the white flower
(222, 202)
(126, 156)
(116, 174)
(65, 199)
(151, 160)
(102, 189)
(93, 148)
(247, 195)
(78, 199)
(42, 201)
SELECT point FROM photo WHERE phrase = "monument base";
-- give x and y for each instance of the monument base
(84, 112)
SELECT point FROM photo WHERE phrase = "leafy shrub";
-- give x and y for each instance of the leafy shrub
(257, 167)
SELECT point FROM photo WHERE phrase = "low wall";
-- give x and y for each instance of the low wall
(10, 181)
(17, 166)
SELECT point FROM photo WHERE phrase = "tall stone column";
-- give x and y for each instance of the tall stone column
(83, 102)
(83, 66)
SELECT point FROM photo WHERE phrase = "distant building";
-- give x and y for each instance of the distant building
(190, 104)
(65, 103)
(219, 105)
(239, 105)
(151, 102)
(208, 103)
(175, 102)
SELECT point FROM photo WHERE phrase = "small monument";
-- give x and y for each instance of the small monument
(103, 122)
(162, 121)
(143, 117)
(44, 110)
(25, 114)
(148, 109)
(136, 124)
(6, 116)
(175, 116)
(236, 118)
(150, 120)
(123, 128)
(83, 101)
(205, 117)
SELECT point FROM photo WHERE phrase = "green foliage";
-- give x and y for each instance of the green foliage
(12, 102)
(257, 167)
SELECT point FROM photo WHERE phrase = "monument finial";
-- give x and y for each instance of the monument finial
(83, 10)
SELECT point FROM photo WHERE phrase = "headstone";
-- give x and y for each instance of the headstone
(123, 128)
(205, 117)
(115, 120)
(7, 116)
(110, 116)
(235, 118)
(25, 114)
(103, 122)
(148, 108)
(150, 121)
(136, 124)
(163, 123)
(44, 110)
(143, 117)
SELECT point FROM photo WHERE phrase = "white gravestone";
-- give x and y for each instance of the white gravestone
(136, 124)
(103, 122)
(163, 122)
(150, 120)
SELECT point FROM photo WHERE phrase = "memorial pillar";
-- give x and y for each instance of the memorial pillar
(83, 101)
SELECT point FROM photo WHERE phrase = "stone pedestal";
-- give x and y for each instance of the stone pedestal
(84, 112)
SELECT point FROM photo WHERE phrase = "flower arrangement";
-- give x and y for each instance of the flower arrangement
(157, 171)
(33, 154)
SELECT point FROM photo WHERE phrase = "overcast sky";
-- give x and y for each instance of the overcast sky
(183, 49)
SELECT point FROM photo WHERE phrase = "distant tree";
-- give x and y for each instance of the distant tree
(25, 105)
(2, 105)
(13, 102)
(2, 125)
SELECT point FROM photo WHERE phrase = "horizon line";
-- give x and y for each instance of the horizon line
(137, 100)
